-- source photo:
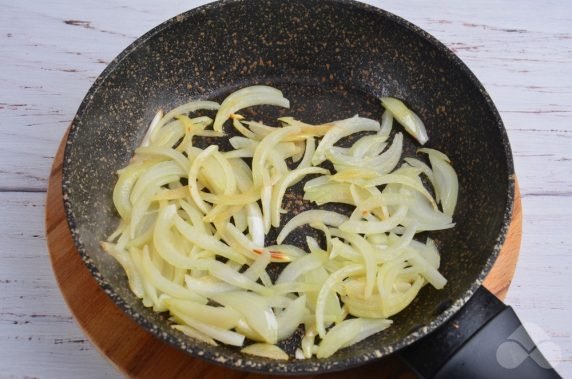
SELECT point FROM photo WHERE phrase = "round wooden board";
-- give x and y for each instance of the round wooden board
(138, 354)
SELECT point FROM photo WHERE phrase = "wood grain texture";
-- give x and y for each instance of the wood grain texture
(138, 354)
(37, 331)
(51, 52)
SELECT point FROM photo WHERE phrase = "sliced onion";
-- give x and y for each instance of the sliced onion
(285, 149)
(118, 232)
(301, 266)
(368, 254)
(429, 272)
(345, 251)
(122, 190)
(259, 129)
(367, 308)
(395, 304)
(209, 170)
(435, 153)
(288, 180)
(381, 164)
(368, 146)
(307, 217)
(195, 217)
(244, 198)
(265, 200)
(401, 243)
(243, 174)
(426, 170)
(171, 233)
(372, 227)
(430, 253)
(222, 317)
(241, 128)
(375, 200)
(172, 194)
(192, 127)
(332, 309)
(133, 277)
(446, 181)
(307, 130)
(256, 311)
(225, 336)
(405, 116)
(236, 239)
(207, 242)
(169, 135)
(164, 285)
(194, 333)
(182, 109)
(349, 332)
(330, 193)
(240, 220)
(323, 228)
(248, 97)
(356, 175)
(192, 177)
(265, 350)
(328, 286)
(291, 317)
(151, 294)
(227, 171)
(316, 183)
(208, 286)
(159, 172)
(165, 152)
(307, 344)
(389, 159)
(277, 164)
(258, 267)
(238, 142)
(200, 122)
(152, 128)
(309, 150)
(143, 205)
(300, 150)
(163, 240)
(341, 129)
(247, 331)
(406, 180)
(226, 274)
(386, 123)
(290, 251)
(255, 224)
(263, 150)
(424, 215)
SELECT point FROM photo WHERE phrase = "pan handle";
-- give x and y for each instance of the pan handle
(484, 339)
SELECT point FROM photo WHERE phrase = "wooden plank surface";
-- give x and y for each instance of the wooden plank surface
(50, 53)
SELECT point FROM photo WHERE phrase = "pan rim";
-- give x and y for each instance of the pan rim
(301, 366)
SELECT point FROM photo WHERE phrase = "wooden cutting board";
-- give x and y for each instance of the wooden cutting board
(138, 354)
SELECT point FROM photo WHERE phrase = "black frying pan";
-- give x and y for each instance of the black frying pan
(332, 59)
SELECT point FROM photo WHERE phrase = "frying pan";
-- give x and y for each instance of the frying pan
(332, 59)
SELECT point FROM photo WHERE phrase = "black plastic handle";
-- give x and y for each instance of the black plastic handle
(484, 339)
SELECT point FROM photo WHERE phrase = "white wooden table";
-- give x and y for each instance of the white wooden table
(51, 52)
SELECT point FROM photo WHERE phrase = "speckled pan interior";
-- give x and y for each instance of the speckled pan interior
(332, 59)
